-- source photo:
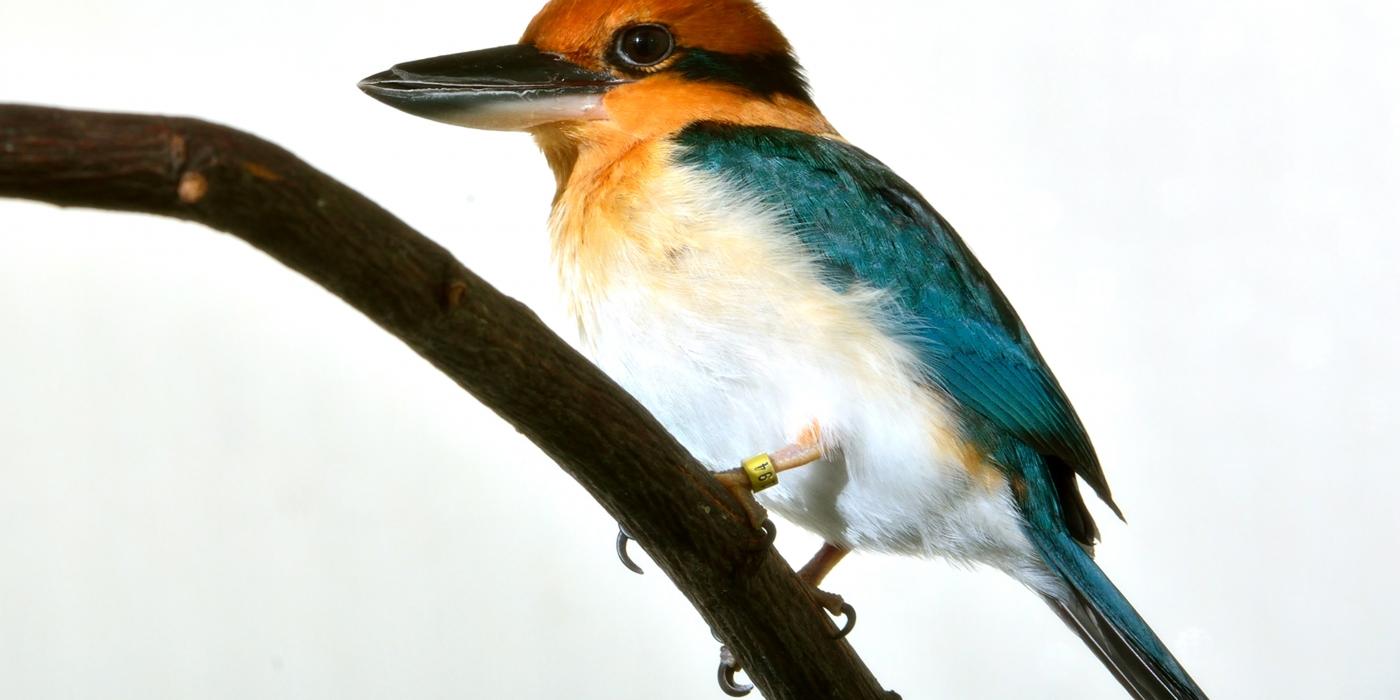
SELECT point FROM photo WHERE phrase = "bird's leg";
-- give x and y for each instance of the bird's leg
(761, 471)
(812, 574)
(746, 480)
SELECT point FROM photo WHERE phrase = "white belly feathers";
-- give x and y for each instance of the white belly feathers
(700, 304)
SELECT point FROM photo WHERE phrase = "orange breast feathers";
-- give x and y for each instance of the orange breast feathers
(599, 212)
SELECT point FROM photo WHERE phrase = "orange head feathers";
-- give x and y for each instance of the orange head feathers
(586, 31)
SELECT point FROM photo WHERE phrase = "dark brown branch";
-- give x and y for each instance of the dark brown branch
(488, 343)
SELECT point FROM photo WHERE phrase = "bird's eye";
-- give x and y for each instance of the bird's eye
(645, 45)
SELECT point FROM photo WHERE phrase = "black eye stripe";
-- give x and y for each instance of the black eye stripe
(643, 45)
(640, 50)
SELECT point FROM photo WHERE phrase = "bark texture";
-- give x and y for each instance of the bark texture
(489, 344)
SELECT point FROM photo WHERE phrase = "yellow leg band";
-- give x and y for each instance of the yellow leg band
(761, 472)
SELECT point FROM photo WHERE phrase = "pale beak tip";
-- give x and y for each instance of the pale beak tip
(370, 85)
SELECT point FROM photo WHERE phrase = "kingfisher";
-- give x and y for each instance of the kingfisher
(764, 287)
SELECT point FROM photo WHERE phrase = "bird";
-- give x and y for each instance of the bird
(781, 300)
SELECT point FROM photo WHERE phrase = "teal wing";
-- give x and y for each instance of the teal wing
(867, 226)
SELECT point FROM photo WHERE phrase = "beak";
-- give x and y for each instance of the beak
(508, 88)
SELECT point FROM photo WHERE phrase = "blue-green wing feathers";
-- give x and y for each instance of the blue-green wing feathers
(867, 226)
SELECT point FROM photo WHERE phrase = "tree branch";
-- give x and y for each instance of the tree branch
(488, 343)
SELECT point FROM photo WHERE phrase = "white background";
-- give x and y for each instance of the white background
(218, 481)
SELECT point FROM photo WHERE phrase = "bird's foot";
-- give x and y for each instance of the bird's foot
(761, 471)
(770, 534)
(736, 481)
(728, 666)
(815, 571)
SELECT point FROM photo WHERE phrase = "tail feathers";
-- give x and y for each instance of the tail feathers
(1147, 670)
(1094, 608)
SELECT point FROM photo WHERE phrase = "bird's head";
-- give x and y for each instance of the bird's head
(589, 72)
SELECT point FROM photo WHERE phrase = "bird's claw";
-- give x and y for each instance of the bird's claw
(770, 533)
(728, 666)
(623, 537)
(837, 607)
